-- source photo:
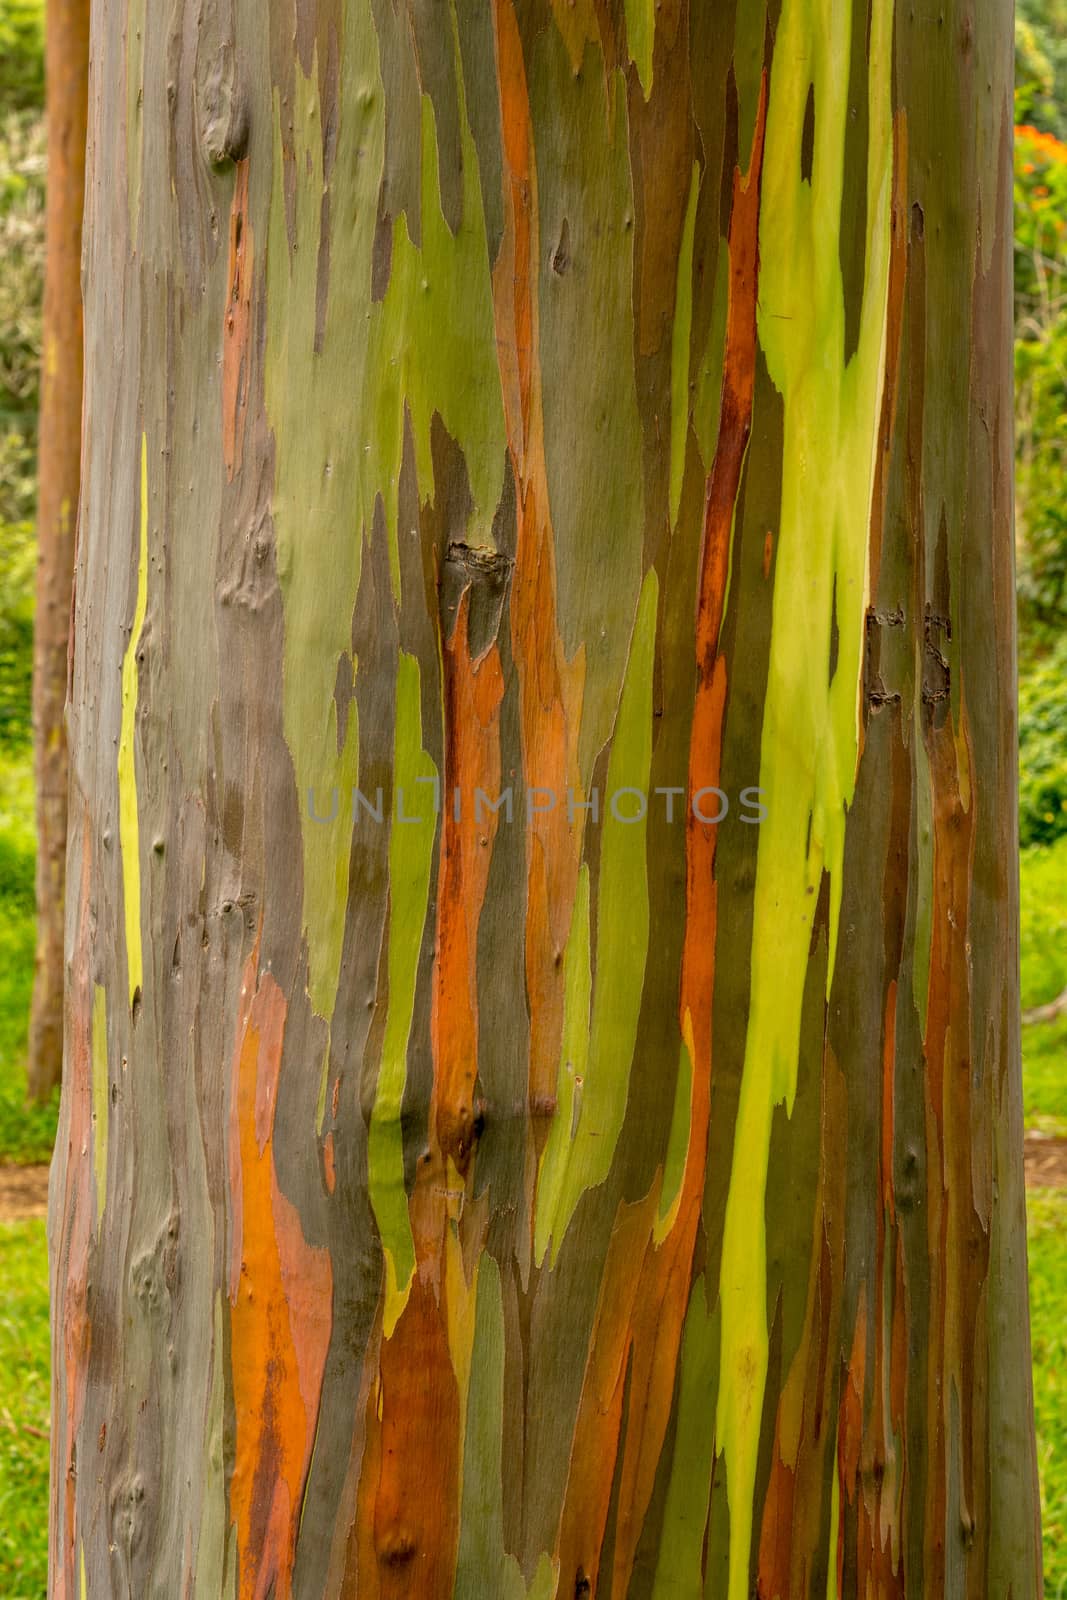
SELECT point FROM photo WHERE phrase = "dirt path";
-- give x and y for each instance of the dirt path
(24, 1190)
(1046, 1162)
(23, 1193)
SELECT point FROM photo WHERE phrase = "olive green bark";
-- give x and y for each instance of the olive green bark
(542, 1111)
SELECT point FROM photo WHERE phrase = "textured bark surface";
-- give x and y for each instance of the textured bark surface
(58, 471)
(609, 402)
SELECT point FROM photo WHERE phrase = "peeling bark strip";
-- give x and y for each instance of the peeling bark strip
(579, 400)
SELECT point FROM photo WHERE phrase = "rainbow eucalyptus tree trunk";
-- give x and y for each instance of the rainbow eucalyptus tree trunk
(59, 474)
(542, 1114)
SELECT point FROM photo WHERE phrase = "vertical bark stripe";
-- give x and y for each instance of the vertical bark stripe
(129, 826)
(810, 730)
(280, 1318)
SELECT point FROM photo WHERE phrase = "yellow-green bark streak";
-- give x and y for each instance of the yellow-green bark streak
(811, 724)
(129, 829)
(641, 38)
(410, 862)
(683, 331)
(339, 411)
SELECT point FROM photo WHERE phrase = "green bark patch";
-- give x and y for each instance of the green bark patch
(411, 847)
(598, 1043)
(683, 330)
(681, 1552)
(593, 447)
(339, 401)
(810, 742)
(641, 38)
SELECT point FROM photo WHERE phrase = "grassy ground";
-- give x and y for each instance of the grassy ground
(24, 1400)
(1047, 1212)
(1045, 1077)
(1043, 881)
(1043, 875)
(26, 1133)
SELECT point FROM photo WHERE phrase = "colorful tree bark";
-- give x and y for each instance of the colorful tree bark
(59, 474)
(543, 1109)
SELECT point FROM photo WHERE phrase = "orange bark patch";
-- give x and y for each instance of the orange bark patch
(409, 1492)
(957, 1236)
(414, 1438)
(237, 328)
(281, 1317)
(600, 1416)
(738, 386)
(550, 688)
(472, 692)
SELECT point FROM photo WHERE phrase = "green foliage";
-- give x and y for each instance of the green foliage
(26, 1133)
(1041, 64)
(22, 181)
(24, 1411)
(1043, 748)
(22, 257)
(22, 54)
(17, 565)
(1041, 382)
(1047, 1215)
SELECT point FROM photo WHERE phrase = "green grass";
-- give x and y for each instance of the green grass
(1043, 875)
(1045, 1077)
(24, 1404)
(26, 1132)
(1047, 1212)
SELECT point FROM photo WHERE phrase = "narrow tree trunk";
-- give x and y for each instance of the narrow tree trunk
(59, 461)
(619, 1194)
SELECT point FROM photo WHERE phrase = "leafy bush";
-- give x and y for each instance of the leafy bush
(1043, 749)
(22, 198)
(1041, 64)
(1041, 381)
(22, 54)
(17, 563)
